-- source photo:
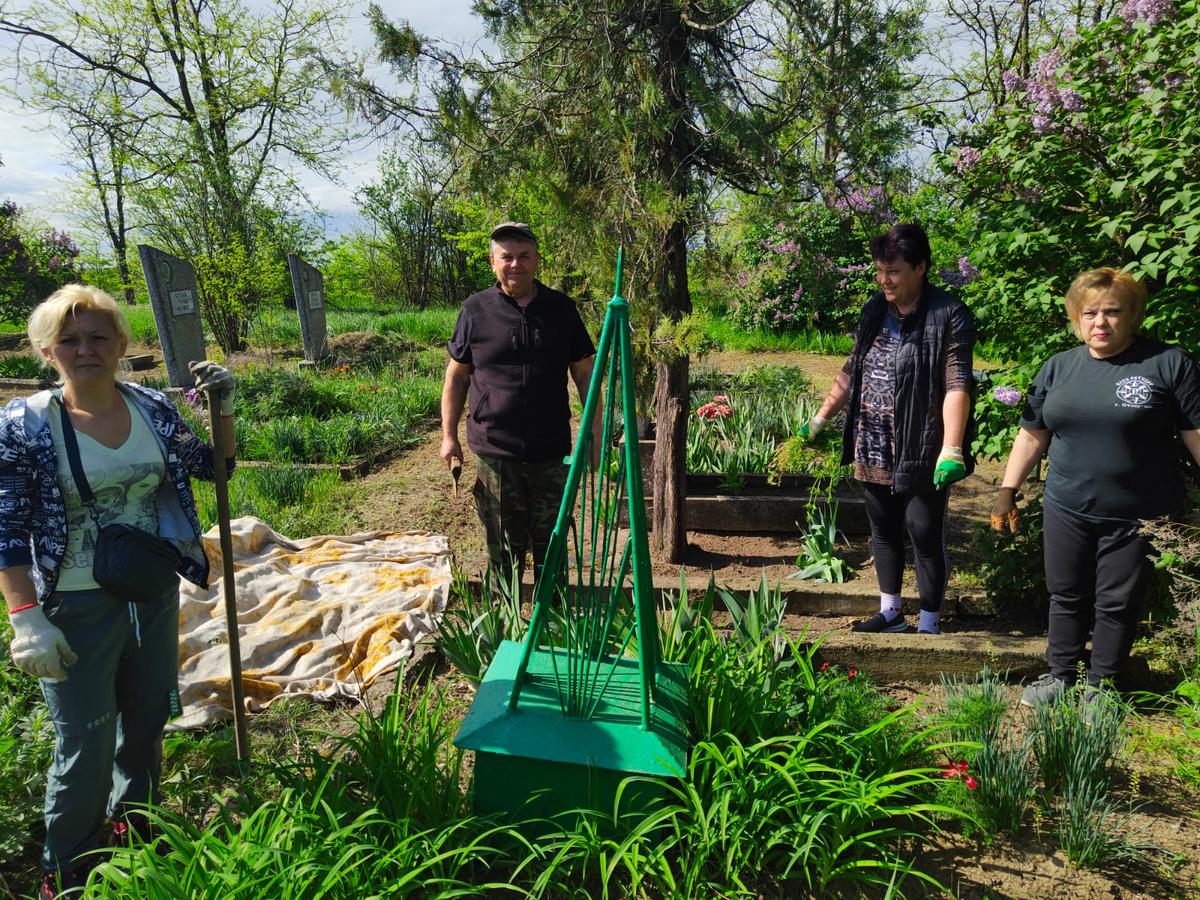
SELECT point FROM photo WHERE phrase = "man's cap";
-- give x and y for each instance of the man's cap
(513, 229)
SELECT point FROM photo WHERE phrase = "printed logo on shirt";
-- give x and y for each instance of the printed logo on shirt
(1135, 391)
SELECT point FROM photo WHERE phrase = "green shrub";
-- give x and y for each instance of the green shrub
(23, 367)
(1090, 162)
(26, 747)
(1012, 567)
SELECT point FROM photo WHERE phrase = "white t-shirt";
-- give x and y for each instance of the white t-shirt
(124, 482)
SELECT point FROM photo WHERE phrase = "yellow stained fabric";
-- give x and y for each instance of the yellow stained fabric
(322, 617)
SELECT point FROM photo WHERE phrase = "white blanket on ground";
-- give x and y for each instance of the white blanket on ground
(322, 617)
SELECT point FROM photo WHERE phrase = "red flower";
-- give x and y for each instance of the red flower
(950, 772)
(971, 783)
(852, 673)
(721, 398)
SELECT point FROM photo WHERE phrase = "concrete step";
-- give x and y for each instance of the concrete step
(824, 614)
(854, 598)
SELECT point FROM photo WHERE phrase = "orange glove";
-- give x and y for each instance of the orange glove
(1004, 513)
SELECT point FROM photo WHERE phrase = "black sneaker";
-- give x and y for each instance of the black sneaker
(879, 623)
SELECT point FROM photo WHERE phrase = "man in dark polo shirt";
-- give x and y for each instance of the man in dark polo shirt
(512, 349)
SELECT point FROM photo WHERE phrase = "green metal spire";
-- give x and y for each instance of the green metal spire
(593, 605)
(585, 700)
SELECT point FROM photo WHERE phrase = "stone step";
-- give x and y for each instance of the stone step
(803, 598)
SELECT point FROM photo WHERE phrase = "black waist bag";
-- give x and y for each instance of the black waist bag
(129, 563)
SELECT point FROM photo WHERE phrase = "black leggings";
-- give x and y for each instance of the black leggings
(1096, 572)
(925, 515)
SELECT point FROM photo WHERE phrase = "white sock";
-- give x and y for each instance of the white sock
(890, 605)
(929, 621)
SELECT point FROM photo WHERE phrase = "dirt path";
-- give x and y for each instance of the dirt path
(413, 492)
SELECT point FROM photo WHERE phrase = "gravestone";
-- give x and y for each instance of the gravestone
(308, 287)
(176, 305)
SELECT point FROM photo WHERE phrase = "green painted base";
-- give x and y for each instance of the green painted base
(536, 762)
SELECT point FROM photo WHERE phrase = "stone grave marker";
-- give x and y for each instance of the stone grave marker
(176, 304)
(308, 287)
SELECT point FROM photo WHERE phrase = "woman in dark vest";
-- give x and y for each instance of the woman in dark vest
(906, 391)
(1111, 413)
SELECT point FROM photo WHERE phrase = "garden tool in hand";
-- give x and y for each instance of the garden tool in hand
(455, 472)
(218, 383)
(950, 467)
(1004, 513)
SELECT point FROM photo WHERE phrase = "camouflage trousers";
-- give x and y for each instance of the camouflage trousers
(517, 503)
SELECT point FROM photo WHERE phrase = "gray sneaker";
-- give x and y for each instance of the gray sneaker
(1046, 689)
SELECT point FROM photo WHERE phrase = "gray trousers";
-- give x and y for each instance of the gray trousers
(108, 715)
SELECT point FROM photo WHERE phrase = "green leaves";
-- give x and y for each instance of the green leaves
(1114, 179)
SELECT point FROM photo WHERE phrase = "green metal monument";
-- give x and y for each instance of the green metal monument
(583, 702)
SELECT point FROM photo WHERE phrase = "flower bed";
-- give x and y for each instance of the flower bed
(335, 417)
(747, 426)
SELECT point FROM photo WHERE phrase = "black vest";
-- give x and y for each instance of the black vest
(919, 385)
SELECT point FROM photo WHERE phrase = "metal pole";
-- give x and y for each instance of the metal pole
(221, 483)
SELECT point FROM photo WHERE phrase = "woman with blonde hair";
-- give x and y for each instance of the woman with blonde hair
(84, 470)
(1110, 413)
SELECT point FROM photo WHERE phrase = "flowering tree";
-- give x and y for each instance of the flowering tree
(33, 263)
(808, 265)
(1093, 161)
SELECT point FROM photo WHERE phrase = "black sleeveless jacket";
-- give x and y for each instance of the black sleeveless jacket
(919, 383)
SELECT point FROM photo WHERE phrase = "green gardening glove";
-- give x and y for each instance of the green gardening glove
(950, 467)
(810, 429)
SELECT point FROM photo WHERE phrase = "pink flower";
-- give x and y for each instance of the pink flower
(1150, 11)
(967, 159)
(971, 783)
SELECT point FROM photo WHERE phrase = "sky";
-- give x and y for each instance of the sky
(34, 176)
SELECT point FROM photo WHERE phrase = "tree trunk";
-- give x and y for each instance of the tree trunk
(675, 165)
(671, 402)
(669, 535)
(126, 280)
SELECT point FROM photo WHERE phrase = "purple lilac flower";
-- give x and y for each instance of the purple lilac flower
(869, 202)
(1012, 81)
(1149, 11)
(1042, 124)
(967, 159)
(1070, 99)
(966, 270)
(1007, 395)
(192, 396)
(951, 277)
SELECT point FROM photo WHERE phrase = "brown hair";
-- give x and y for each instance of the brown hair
(1095, 282)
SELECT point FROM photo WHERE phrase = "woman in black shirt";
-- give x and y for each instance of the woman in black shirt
(1109, 412)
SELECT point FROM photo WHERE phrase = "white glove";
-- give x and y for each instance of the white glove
(38, 648)
(812, 428)
(214, 376)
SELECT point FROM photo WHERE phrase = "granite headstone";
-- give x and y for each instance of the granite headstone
(308, 287)
(176, 305)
